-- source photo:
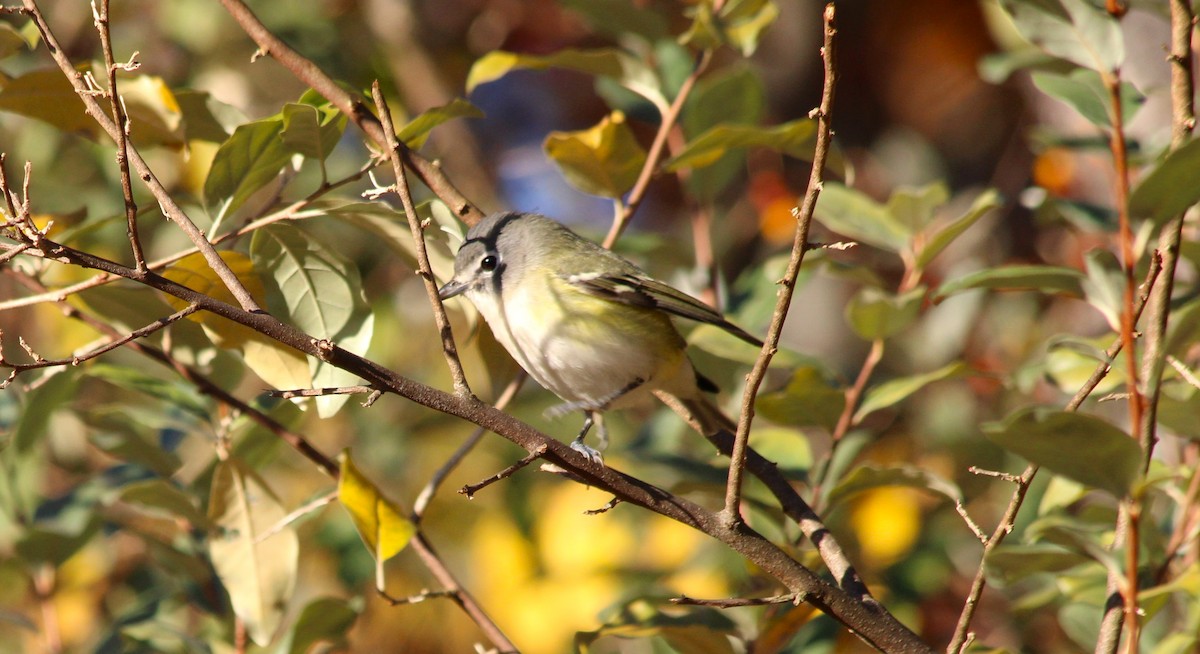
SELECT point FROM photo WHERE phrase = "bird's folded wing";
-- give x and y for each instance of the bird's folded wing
(650, 293)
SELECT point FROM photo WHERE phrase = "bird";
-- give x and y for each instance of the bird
(585, 323)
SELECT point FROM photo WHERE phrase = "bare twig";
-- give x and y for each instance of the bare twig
(319, 392)
(117, 105)
(449, 349)
(736, 602)
(422, 596)
(439, 476)
(670, 115)
(962, 635)
(288, 519)
(733, 492)
(470, 489)
(40, 362)
(608, 506)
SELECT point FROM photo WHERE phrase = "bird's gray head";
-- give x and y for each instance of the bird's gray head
(498, 247)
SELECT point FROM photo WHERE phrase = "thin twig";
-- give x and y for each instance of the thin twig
(962, 634)
(736, 602)
(288, 519)
(625, 210)
(449, 349)
(318, 392)
(439, 475)
(737, 459)
(39, 362)
(119, 117)
(422, 596)
(470, 489)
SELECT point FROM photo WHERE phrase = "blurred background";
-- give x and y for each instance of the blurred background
(923, 97)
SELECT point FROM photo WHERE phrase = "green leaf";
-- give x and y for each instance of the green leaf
(738, 24)
(383, 527)
(604, 160)
(252, 158)
(319, 292)
(154, 114)
(47, 96)
(807, 400)
(175, 393)
(853, 214)
(621, 18)
(915, 207)
(1170, 187)
(895, 391)
(417, 130)
(874, 313)
(1047, 279)
(258, 571)
(1075, 30)
(1084, 91)
(12, 41)
(869, 477)
(325, 620)
(1012, 563)
(935, 238)
(311, 131)
(202, 116)
(796, 139)
(159, 495)
(733, 96)
(1104, 287)
(618, 65)
(54, 544)
(1082, 447)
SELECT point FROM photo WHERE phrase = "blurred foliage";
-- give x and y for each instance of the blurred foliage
(139, 514)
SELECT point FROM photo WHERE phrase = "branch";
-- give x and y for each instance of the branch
(962, 636)
(449, 349)
(308, 72)
(733, 493)
(117, 133)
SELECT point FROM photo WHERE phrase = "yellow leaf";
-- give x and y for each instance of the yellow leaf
(193, 272)
(380, 523)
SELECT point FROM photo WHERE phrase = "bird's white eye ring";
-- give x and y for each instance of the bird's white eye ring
(488, 264)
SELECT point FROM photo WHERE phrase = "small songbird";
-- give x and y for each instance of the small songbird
(588, 325)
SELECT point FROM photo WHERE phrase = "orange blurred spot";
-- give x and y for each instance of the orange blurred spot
(1055, 170)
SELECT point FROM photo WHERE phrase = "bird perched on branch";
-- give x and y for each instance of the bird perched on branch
(588, 325)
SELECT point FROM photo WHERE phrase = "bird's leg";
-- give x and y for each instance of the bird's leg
(593, 455)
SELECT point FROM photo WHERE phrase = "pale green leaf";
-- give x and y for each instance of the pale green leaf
(618, 65)
(874, 313)
(1170, 187)
(325, 620)
(603, 160)
(915, 207)
(1104, 287)
(47, 96)
(1047, 279)
(808, 399)
(852, 214)
(311, 131)
(417, 130)
(796, 139)
(1085, 448)
(159, 495)
(894, 391)
(869, 477)
(738, 24)
(12, 41)
(1084, 91)
(1012, 563)
(252, 158)
(1075, 30)
(257, 570)
(935, 238)
(317, 290)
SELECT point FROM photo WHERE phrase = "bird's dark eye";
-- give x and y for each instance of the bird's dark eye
(488, 264)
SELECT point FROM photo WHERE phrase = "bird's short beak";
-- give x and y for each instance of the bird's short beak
(452, 288)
